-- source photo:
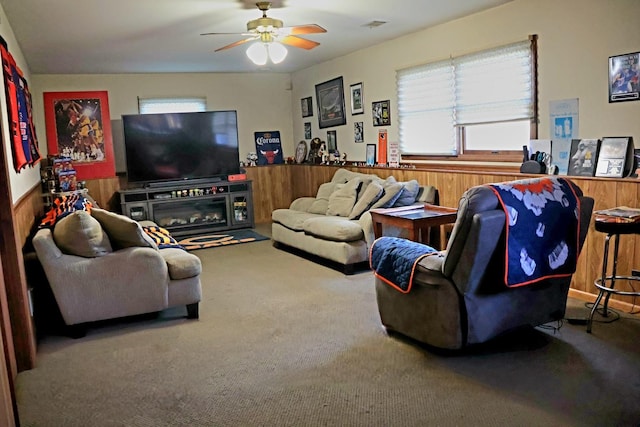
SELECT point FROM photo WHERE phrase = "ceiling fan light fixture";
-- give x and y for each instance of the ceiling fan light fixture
(277, 52)
(258, 53)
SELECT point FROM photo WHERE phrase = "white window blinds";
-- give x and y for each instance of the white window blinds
(494, 85)
(487, 87)
(426, 107)
(171, 105)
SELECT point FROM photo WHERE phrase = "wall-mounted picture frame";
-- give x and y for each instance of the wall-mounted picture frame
(381, 113)
(332, 141)
(357, 99)
(371, 155)
(624, 71)
(358, 132)
(307, 130)
(330, 99)
(79, 127)
(306, 105)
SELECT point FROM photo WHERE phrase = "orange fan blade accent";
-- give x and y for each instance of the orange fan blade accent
(298, 42)
(234, 44)
(305, 29)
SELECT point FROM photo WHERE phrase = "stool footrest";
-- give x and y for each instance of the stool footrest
(611, 290)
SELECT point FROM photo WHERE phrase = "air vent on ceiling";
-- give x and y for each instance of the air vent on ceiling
(374, 24)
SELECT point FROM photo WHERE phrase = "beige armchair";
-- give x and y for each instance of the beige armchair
(102, 266)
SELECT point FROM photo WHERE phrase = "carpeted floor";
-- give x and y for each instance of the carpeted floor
(216, 240)
(282, 341)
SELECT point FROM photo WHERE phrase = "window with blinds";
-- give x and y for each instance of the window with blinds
(478, 102)
(171, 105)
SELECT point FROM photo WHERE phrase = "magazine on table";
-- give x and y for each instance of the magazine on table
(623, 213)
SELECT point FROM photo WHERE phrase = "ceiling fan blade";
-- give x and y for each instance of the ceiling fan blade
(227, 34)
(234, 44)
(298, 42)
(304, 29)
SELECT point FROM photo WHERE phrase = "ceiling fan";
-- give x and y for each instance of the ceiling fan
(272, 34)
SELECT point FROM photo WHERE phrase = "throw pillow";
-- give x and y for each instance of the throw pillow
(408, 194)
(341, 201)
(392, 191)
(123, 232)
(366, 180)
(321, 203)
(80, 234)
(63, 206)
(161, 236)
(371, 195)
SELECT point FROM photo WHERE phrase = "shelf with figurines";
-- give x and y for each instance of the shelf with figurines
(58, 178)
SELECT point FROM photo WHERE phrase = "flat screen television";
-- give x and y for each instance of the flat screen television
(179, 146)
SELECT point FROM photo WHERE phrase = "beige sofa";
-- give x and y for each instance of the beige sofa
(335, 225)
(101, 265)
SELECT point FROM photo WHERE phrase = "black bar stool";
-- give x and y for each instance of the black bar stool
(606, 283)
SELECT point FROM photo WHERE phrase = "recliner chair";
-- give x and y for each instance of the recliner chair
(459, 297)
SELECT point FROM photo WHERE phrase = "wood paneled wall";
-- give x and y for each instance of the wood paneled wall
(278, 185)
(304, 180)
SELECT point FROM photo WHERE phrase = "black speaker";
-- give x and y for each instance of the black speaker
(531, 166)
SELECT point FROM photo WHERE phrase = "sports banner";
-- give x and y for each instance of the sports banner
(268, 148)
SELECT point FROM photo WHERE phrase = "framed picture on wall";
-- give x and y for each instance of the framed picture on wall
(624, 72)
(330, 98)
(307, 130)
(78, 127)
(381, 113)
(306, 104)
(332, 141)
(357, 99)
(358, 132)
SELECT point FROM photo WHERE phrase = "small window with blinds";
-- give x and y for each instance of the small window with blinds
(171, 105)
(472, 104)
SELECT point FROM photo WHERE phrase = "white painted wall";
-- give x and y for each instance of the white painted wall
(263, 101)
(576, 37)
(24, 180)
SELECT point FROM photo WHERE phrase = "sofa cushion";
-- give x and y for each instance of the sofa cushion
(365, 183)
(392, 191)
(408, 194)
(342, 176)
(181, 264)
(334, 228)
(321, 204)
(291, 219)
(343, 198)
(80, 234)
(367, 199)
(123, 232)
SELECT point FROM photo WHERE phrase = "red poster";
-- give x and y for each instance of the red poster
(79, 127)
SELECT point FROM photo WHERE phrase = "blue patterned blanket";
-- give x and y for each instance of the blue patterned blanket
(394, 260)
(543, 229)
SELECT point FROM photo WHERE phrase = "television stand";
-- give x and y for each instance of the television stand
(192, 206)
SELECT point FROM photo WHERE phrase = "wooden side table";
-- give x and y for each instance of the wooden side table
(418, 220)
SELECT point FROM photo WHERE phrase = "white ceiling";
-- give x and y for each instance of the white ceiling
(148, 36)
